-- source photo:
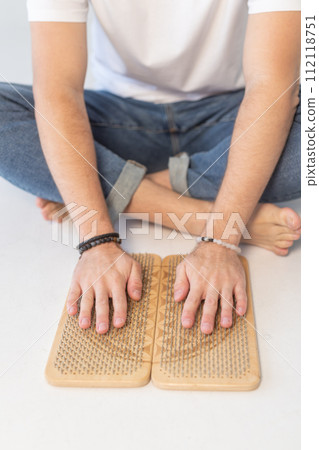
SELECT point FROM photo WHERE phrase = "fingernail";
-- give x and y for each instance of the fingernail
(187, 323)
(240, 310)
(72, 310)
(207, 328)
(119, 322)
(137, 292)
(85, 322)
(178, 293)
(103, 326)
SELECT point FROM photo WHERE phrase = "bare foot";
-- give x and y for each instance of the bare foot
(49, 209)
(270, 227)
(274, 228)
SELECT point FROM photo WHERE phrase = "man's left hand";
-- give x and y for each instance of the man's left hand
(211, 273)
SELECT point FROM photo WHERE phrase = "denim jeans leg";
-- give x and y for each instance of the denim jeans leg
(23, 164)
(202, 173)
(285, 183)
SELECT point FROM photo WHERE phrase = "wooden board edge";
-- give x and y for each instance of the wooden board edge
(100, 381)
(249, 384)
(254, 347)
(49, 368)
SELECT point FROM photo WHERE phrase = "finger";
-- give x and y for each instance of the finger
(226, 302)
(102, 310)
(209, 312)
(181, 286)
(134, 283)
(120, 307)
(86, 308)
(73, 297)
(241, 299)
(191, 305)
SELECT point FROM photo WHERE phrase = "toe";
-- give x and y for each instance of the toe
(288, 236)
(280, 251)
(49, 210)
(45, 211)
(284, 244)
(41, 202)
(290, 218)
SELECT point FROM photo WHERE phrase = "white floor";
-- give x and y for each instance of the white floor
(34, 276)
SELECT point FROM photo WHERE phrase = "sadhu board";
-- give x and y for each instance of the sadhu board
(154, 345)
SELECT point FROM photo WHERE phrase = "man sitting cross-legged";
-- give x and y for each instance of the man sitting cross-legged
(175, 115)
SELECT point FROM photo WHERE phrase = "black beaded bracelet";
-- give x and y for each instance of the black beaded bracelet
(98, 240)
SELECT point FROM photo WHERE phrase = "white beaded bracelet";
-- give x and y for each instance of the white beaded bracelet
(219, 242)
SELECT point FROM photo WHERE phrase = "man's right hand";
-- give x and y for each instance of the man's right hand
(104, 272)
(59, 53)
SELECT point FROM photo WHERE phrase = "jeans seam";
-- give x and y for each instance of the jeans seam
(172, 129)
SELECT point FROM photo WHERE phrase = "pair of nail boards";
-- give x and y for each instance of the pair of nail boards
(154, 345)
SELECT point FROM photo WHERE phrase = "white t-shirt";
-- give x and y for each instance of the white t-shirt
(163, 50)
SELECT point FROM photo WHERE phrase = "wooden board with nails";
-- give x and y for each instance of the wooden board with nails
(187, 359)
(121, 357)
(182, 359)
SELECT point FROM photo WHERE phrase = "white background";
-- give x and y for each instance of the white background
(34, 277)
(310, 246)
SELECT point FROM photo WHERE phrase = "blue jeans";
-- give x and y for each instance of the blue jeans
(133, 137)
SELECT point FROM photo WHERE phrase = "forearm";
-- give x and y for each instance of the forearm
(68, 146)
(259, 136)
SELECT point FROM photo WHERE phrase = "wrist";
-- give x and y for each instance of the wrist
(108, 248)
(209, 249)
(218, 243)
(95, 226)
(95, 241)
(226, 227)
(222, 233)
